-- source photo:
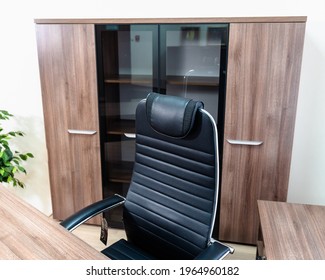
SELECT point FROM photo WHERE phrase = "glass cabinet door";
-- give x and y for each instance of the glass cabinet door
(132, 60)
(193, 62)
(127, 63)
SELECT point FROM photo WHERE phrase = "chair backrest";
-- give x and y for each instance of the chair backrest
(171, 203)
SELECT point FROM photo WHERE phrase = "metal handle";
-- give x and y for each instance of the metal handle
(129, 135)
(82, 132)
(244, 142)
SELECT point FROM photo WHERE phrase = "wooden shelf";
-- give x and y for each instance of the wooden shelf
(130, 79)
(193, 81)
(119, 127)
(173, 80)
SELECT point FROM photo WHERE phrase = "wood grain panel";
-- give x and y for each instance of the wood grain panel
(292, 231)
(173, 20)
(262, 88)
(67, 64)
(27, 234)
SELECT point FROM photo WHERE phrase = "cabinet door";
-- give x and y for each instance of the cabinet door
(193, 62)
(262, 87)
(127, 71)
(67, 64)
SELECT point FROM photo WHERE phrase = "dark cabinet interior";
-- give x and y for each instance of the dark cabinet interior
(186, 60)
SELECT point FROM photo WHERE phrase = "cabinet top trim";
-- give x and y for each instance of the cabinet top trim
(171, 20)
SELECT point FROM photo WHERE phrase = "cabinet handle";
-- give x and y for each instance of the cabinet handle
(82, 132)
(244, 142)
(129, 135)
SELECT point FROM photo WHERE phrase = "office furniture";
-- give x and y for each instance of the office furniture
(186, 60)
(262, 89)
(255, 113)
(291, 231)
(28, 234)
(170, 207)
(70, 103)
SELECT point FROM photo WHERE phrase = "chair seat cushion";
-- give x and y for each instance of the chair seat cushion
(123, 250)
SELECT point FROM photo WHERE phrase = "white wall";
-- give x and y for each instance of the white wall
(20, 89)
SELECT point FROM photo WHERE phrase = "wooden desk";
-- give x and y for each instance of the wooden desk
(26, 233)
(292, 231)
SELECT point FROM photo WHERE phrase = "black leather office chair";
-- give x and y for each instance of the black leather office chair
(170, 208)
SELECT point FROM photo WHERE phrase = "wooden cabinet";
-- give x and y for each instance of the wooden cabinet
(67, 62)
(264, 62)
(255, 116)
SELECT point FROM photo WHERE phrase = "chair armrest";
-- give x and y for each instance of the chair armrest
(92, 210)
(216, 251)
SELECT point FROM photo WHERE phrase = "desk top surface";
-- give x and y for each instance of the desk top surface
(292, 231)
(26, 233)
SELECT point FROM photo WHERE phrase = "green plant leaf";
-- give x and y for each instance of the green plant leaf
(4, 115)
(22, 169)
(23, 157)
(21, 184)
(4, 143)
(5, 157)
(10, 163)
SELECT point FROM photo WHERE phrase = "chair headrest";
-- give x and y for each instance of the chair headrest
(171, 115)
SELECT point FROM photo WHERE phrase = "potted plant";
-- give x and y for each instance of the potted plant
(11, 161)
